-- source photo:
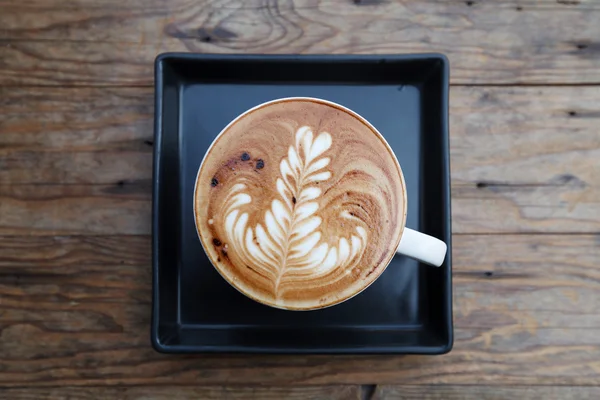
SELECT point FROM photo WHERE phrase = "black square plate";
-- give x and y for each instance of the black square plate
(407, 310)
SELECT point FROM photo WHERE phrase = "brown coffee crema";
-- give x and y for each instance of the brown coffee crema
(299, 204)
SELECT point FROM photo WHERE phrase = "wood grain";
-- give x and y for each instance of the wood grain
(75, 135)
(339, 392)
(76, 119)
(122, 208)
(527, 281)
(76, 142)
(523, 159)
(113, 43)
(75, 311)
(447, 392)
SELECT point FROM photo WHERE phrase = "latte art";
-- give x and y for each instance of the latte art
(299, 204)
(287, 245)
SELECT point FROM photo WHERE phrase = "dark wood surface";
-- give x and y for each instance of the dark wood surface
(76, 110)
(113, 42)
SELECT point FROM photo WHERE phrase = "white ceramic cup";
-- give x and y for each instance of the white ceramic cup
(419, 246)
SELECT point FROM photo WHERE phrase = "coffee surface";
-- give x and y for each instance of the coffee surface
(300, 204)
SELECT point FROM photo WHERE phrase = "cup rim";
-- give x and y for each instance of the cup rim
(373, 129)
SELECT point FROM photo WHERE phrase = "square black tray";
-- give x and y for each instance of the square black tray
(407, 310)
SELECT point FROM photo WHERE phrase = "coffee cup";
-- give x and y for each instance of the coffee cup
(300, 204)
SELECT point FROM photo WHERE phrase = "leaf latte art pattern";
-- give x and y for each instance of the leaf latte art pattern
(288, 244)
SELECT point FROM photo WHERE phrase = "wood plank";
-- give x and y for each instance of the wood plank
(80, 167)
(112, 43)
(464, 392)
(76, 119)
(122, 208)
(75, 311)
(528, 281)
(75, 135)
(523, 159)
(341, 392)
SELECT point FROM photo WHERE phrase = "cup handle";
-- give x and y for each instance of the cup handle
(422, 247)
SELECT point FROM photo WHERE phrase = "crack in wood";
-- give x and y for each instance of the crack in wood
(367, 392)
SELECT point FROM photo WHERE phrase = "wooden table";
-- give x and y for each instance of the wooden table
(76, 131)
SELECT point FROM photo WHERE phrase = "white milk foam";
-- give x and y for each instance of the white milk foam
(288, 241)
